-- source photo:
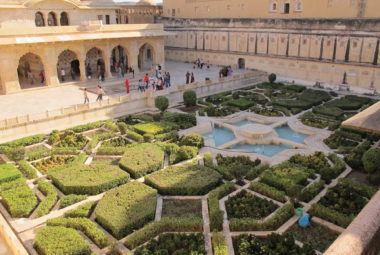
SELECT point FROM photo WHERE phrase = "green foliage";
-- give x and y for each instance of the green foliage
(46, 165)
(71, 199)
(126, 208)
(12, 184)
(151, 230)
(86, 127)
(135, 136)
(190, 98)
(208, 161)
(122, 127)
(194, 139)
(331, 215)
(88, 179)
(84, 225)
(153, 128)
(183, 153)
(279, 218)
(350, 102)
(188, 179)
(142, 159)
(268, 191)
(173, 243)
(235, 166)
(272, 77)
(25, 141)
(13, 153)
(82, 211)
(8, 172)
(311, 191)
(354, 158)
(51, 197)
(295, 88)
(370, 161)
(307, 99)
(254, 172)
(219, 244)
(19, 201)
(111, 126)
(329, 111)
(242, 104)
(216, 215)
(67, 139)
(182, 120)
(60, 241)
(170, 136)
(162, 103)
(148, 138)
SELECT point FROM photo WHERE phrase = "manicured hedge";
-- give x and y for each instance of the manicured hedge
(311, 191)
(103, 150)
(88, 227)
(329, 111)
(187, 179)
(88, 179)
(331, 215)
(195, 140)
(8, 172)
(248, 224)
(86, 127)
(12, 184)
(153, 128)
(60, 241)
(25, 141)
(135, 136)
(82, 211)
(242, 104)
(19, 201)
(350, 102)
(71, 199)
(27, 170)
(268, 191)
(126, 208)
(219, 244)
(142, 159)
(51, 197)
(208, 160)
(151, 230)
(216, 215)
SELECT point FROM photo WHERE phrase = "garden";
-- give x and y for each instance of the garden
(140, 184)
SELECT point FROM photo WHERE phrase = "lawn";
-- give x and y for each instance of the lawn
(181, 208)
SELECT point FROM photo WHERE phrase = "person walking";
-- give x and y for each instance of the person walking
(63, 74)
(141, 85)
(72, 73)
(146, 80)
(86, 99)
(168, 79)
(192, 80)
(133, 73)
(42, 76)
(31, 77)
(100, 93)
(127, 86)
(187, 78)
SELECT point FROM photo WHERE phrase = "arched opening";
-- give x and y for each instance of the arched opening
(145, 58)
(95, 67)
(68, 66)
(119, 61)
(241, 63)
(52, 20)
(64, 20)
(30, 71)
(39, 19)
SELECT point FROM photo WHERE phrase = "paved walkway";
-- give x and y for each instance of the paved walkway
(41, 100)
(4, 249)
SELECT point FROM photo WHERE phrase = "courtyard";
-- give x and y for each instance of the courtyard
(198, 177)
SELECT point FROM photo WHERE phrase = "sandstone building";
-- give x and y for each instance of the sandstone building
(49, 42)
(326, 40)
(142, 12)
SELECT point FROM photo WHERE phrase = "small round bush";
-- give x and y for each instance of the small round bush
(190, 98)
(272, 77)
(187, 152)
(370, 160)
(162, 103)
(195, 140)
(148, 137)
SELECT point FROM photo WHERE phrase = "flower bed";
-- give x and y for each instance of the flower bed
(188, 179)
(67, 139)
(350, 102)
(268, 191)
(181, 208)
(126, 208)
(19, 201)
(247, 205)
(142, 159)
(8, 172)
(45, 165)
(242, 104)
(173, 244)
(153, 128)
(117, 142)
(28, 171)
(88, 179)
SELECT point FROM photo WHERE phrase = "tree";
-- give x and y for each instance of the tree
(190, 98)
(272, 77)
(162, 103)
(370, 161)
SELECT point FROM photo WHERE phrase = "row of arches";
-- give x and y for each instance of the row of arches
(51, 19)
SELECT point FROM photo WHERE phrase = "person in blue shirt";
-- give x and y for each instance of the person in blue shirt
(305, 221)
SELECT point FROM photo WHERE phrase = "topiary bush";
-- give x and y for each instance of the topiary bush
(195, 140)
(19, 201)
(8, 172)
(51, 197)
(272, 78)
(71, 199)
(162, 103)
(370, 161)
(190, 98)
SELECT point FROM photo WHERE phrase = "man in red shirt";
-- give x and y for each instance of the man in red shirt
(127, 86)
(146, 80)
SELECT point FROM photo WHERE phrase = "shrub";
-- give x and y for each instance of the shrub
(151, 230)
(170, 136)
(331, 215)
(122, 127)
(111, 126)
(46, 165)
(88, 179)
(216, 215)
(185, 153)
(329, 111)
(268, 191)
(71, 199)
(110, 150)
(256, 171)
(8, 172)
(25, 141)
(12, 184)
(59, 241)
(370, 161)
(208, 160)
(135, 136)
(190, 98)
(88, 227)
(142, 159)
(272, 78)
(195, 140)
(219, 244)
(86, 127)
(153, 128)
(183, 120)
(242, 104)
(126, 208)
(82, 211)
(188, 179)
(148, 137)
(162, 103)
(51, 197)
(311, 191)
(19, 201)
(296, 88)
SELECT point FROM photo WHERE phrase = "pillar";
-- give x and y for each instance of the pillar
(49, 60)
(9, 77)
(132, 58)
(82, 66)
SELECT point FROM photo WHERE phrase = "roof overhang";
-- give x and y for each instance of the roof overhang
(367, 120)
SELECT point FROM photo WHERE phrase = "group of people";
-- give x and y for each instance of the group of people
(225, 71)
(72, 73)
(200, 63)
(31, 77)
(157, 82)
(190, 78)
(122, 69)
(99, 92)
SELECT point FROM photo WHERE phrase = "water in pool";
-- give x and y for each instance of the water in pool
(220, 135)
(285, 132)
(245, 122)
(268, 150)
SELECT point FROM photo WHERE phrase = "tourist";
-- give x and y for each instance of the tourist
(86, 99)
(133, 73)
(229, 71)
(100, 92)
(141, 85)
(208, 64)
(42, 76)
(88, 71)
(127, 86)
(192, 78)
(31, 77)
(305, 221)
(72, 73)
(187, 77)
(146, 80)
(202, 63)
(63, 74)
(168, 79)
(157, 66)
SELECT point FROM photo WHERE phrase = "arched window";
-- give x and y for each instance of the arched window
(52, 21)
(64, 19)
(273, 6)
(39, 19)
